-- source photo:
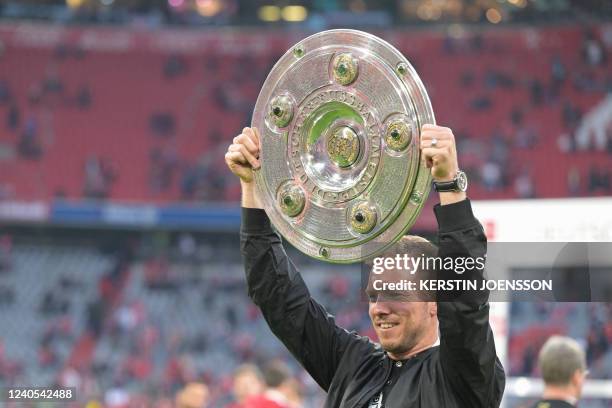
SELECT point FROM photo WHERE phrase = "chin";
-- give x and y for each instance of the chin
(391, 346)
(396, 346)
(395, 350)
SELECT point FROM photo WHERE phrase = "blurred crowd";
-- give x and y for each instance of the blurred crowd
(164, 322)
(533, 323)
(531, 129)
(311, 13)
(167, 323)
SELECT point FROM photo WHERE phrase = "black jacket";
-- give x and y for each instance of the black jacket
(462, 372)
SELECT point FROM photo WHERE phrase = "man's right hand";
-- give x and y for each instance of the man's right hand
(242, 158)
(242, 155)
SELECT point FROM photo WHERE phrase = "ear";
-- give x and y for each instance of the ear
(578, 378)
(432, 309)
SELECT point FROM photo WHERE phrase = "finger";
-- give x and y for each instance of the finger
(427, 157)
(429, 126)
(430, 134)
(253, 134)
(235, 158)
(249, 156)
(440, 143)
(434, 156)
(257, 136)
(234, 147)
(250, 145)
(438, 154)
(438, 130)
(237, 147)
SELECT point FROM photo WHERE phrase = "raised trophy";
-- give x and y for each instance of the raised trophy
(339, 118)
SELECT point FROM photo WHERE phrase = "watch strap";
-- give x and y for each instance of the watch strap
(445, 186)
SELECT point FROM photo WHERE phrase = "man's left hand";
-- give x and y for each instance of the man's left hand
(439, 152)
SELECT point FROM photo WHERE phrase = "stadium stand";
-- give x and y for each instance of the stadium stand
(71, 131)
(123, 328)
(89, 113)
(131, 327)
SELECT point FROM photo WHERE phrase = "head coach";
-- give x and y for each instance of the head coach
(431, 354)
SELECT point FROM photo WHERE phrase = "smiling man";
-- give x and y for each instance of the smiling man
(433, 353)
(404, 321)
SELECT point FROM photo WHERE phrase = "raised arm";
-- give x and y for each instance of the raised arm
(275, 285)
(467, 348)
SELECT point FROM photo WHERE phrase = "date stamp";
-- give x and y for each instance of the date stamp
(38, 394)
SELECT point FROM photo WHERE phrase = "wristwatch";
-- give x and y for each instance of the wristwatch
(457, 184)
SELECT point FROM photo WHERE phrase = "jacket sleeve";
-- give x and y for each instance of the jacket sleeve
(276, 287)
(467, 348)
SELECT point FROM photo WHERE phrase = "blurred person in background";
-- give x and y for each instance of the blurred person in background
(248, 383)
(563, 366)
(282, 391)
(193, 395)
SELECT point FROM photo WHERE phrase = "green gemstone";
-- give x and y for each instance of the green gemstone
(342, 68)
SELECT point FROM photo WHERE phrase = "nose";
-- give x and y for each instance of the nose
(380, 308)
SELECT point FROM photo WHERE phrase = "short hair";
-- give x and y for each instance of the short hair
(276, 373)
(411, 245)
(559, 359)
(248, 369)
(414, 245)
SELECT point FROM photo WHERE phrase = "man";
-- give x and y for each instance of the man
(410, 367)
(282, 390)
(248, 383)
(563, 366)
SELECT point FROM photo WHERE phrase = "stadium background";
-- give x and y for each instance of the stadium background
(119, 265)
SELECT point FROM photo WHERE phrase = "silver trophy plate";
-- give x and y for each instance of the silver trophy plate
(339, 118)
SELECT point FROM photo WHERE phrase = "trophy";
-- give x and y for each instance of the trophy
(339, 117)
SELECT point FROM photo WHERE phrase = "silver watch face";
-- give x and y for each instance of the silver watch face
(462, 181)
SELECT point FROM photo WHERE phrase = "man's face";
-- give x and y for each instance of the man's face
(399, 321)
(246, 385)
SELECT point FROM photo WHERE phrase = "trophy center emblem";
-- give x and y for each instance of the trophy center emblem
(343, 147)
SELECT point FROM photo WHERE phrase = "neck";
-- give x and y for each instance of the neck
(555, 392)
(426, 343)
